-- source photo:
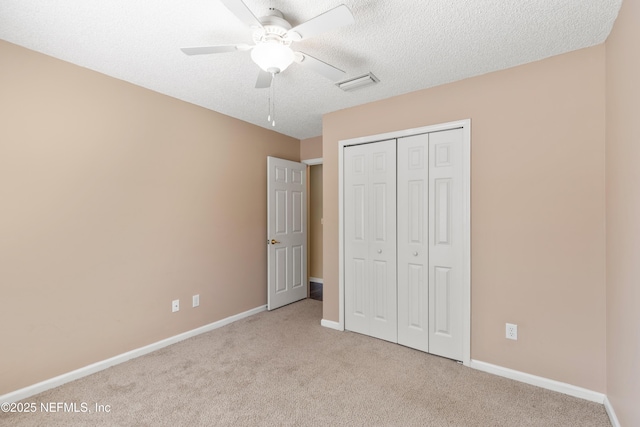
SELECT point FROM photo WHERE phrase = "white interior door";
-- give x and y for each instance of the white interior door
(446, 244)
(370, 239)
(413, 244)
(286, 232)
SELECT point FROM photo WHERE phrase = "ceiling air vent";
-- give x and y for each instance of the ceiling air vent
(358, 82)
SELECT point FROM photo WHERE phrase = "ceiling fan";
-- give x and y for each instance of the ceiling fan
(273, 36)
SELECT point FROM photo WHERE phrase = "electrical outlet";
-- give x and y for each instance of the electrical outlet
(512, 331)
(175, 305)
(196, 300)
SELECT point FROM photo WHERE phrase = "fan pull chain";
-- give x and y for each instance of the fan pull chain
(271, 118)
(272, 106)
(269, 101)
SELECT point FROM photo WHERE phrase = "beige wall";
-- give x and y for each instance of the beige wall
(315, 222)
(311, 148)
(537, 207)
(115, 201)
(623, 215)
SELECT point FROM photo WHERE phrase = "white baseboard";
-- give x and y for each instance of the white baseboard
(315, 280)
(331, 324)
(34, 389)
(612, 414)
(547, 383)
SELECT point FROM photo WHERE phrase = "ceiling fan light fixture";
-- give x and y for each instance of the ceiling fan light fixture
(272, 56)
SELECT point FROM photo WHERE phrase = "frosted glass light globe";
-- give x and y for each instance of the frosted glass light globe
(272, 56)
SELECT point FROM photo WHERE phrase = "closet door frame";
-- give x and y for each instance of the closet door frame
(466, 183)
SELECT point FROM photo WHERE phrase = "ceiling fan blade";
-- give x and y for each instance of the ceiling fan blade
(204, 50)
(264, 80)
(330, 20)
(320, 67)
(242, 12)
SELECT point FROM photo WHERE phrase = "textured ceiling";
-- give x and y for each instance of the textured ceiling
(408, 45)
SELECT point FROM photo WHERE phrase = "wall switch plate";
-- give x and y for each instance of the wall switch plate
(196, 300)
(512, 331)
(175, 305)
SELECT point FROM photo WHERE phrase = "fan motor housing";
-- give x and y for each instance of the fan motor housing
(274, 28)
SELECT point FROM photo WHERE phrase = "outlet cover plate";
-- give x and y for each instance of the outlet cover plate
(512, 331)
(175, 305)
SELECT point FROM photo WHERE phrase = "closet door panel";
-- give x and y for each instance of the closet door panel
(412, 246)
(356, 238)
(370, 239)
(382, 247)
(445, 243)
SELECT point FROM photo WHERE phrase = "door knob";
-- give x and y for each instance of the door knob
(379, 251)
(415, 254)
(274, 241)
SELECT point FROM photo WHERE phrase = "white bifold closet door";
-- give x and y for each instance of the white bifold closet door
(413, 243)
(370, 239)
(419, 278)
(446, 244)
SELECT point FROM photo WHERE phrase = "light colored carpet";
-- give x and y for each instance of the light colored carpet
(282, 368)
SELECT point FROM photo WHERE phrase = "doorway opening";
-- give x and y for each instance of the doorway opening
(315, 228)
